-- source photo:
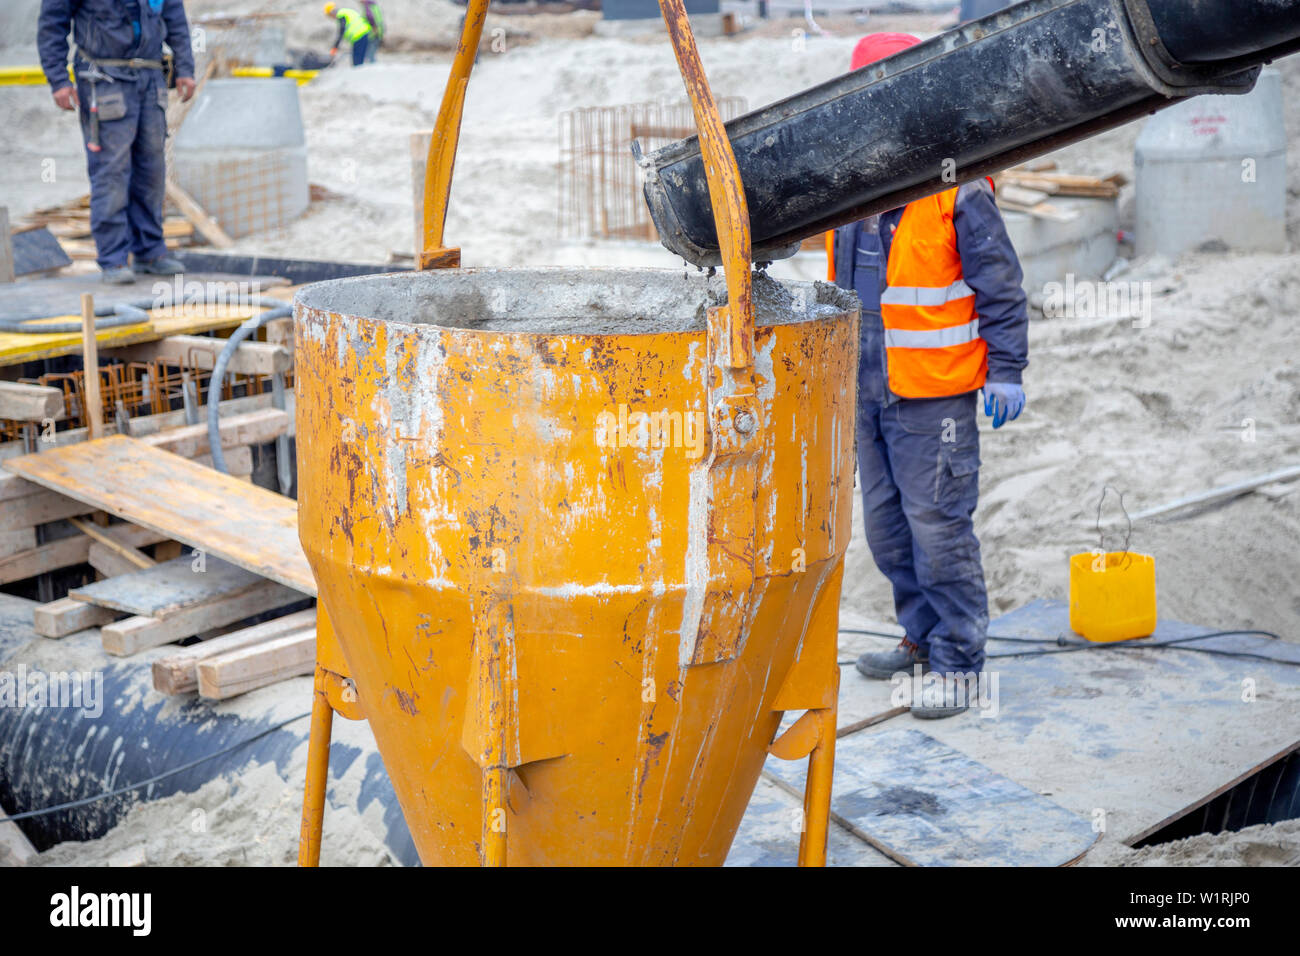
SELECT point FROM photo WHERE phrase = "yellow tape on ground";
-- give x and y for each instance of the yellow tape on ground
(22, 76)
(302, 76)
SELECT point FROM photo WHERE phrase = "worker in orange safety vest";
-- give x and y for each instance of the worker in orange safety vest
(943, 317)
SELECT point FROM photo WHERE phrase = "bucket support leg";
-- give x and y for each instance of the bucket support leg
(318, 765)
(817, 790)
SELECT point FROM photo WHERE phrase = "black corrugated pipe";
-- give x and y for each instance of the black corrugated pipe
(984, 96)
(122, 732)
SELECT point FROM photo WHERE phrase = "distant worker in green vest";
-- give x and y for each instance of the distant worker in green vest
(354, 28)
(375, 17)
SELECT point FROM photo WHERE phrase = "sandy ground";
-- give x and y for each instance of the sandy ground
(1275, 844)
(1207, 394)
(248, 820)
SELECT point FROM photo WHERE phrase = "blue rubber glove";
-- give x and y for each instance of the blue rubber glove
(1003, 401)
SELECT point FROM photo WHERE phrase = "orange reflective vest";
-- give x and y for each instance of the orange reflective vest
(932, 336)
(932, 341)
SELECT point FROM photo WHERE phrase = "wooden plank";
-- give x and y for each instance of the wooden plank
(30, 403)
(1042, 210)
(66, 616)
(105, 540)
(238, 460)
(94, 411)
(257, 426)
(925, 804)
(237, 672)
(169, 588)
(200, 352)
(142, 427)
(248, 526)
(1021, 195)
(65, 552)
(136, 634)
(12, 542)
(46, 506)
(6, 247)
(17, 348)
(108, 562)
(40, 508)
(177, 674)
(280, 332)
(250, 428)
(195, 213)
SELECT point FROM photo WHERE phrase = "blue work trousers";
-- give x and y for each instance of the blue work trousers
(128, 172)
(918, 465)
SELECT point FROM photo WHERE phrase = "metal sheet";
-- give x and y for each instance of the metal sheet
(925, 804)
(1132, 737)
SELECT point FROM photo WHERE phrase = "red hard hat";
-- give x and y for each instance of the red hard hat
(877, 46)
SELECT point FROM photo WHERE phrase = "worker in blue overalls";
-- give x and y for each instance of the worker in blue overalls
(943, 318)
(121, 93)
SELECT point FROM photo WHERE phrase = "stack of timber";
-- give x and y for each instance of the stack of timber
(242, 660)
(69, 222)
(1031, 187)
(247, 561)
(29, 511)
(185, 597)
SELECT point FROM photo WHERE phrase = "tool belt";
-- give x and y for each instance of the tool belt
(96, 73)
(134, 63)
(167, 64)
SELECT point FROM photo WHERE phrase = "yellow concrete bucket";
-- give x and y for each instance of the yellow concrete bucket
(576, 578)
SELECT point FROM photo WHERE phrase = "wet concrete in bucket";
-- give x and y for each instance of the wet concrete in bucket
(565, 301)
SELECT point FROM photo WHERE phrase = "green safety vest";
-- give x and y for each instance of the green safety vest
(355, 25)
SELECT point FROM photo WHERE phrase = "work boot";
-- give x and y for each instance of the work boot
(117, 275)
(162, 266)
(947, 699)
(883, 665)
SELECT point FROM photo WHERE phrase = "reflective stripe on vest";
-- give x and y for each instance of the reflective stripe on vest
(926, 295)
(932, 342)
(934, 339)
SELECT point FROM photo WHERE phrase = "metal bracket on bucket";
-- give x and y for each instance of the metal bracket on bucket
(735, 415)
(442, 147)
(731, 476)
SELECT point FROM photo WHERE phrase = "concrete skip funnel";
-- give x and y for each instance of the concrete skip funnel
(574, 599)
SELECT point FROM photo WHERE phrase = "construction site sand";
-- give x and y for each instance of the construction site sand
(248, 820)
(1208, 393)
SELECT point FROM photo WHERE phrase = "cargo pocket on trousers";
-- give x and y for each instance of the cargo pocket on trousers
(957, 478)
(111, 106)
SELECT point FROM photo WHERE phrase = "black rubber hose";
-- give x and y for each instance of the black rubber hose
(247, 328)
(114, 314)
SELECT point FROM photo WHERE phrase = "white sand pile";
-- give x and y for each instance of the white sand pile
(1275, 844)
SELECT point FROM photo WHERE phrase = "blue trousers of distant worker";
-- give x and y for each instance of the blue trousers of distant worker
(359, 50)
(128, 173)
(918, 465)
